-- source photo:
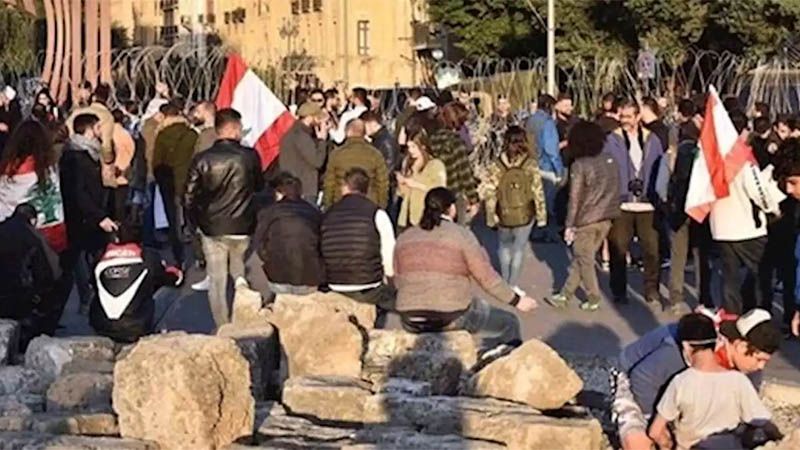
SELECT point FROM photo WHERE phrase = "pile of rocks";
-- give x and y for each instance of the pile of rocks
(305, 373)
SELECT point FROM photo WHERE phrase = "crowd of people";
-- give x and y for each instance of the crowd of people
(381, 212)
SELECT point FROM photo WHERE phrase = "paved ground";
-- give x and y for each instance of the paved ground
(603, 332)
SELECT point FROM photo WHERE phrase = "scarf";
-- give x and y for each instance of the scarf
(80, 142)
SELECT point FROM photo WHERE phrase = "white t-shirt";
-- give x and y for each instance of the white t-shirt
(700, 404)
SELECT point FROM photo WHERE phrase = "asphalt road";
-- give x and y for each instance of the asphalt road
(603, 332)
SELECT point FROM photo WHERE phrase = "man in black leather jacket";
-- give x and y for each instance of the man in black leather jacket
(219, 200)
(386, 143)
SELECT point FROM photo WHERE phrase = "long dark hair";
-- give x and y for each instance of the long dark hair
(437, 202)
(30, 138)
(516, 142)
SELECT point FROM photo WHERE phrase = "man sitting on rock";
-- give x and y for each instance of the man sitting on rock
(128, 276)
(436, 264)
(647, 365)
(288, 240)
(357, 243)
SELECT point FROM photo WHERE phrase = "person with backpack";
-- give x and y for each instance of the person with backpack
(420, 174)
(514, 197)
(593, 203)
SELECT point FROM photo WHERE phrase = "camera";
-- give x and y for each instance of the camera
(636, 188)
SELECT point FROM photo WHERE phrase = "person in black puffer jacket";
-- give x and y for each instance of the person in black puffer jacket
(219, 200)
(357, 244)
(288, 240)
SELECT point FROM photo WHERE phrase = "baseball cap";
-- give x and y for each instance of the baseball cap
(309, 109)
(424, 103)
(755, 327)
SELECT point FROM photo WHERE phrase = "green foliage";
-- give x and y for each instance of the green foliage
(590, 28)
(17, 41)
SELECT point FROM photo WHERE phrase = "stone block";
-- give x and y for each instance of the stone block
(318, 341)
(511, 424)
(21, 380)
(336, 399)
(9, 340)
(51, 356)
(393, 438)
(247, 310)
(364, 313)
(184, 392)
(533, 374)
(404, 386)
(99, 424)
(277, 427)
(260, 348)
(440, 359)
(21, 404)
(40, 441)
(781, 393)
(88, 391)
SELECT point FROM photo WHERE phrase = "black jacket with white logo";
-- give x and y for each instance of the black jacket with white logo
(127, 277)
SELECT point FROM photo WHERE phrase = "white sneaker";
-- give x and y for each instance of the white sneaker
(241, 283)
(202, 285)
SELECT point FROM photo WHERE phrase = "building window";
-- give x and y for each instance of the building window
(201, 19)
(295, 6)
(317, 5)
(227, 17)
(306, 6)
(363, 37)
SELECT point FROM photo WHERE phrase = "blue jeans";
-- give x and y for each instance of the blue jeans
(511, 251)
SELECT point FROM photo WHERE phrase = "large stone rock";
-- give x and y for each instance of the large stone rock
(184, 392)
(364, 313)
(89, 392)
(277, 428)
(21, 380)
(514, 425)
(336, 399)
(9, 340)
(533, 374)
(260, 348)
(247, 309)
(318, 341)
(74, 424)
(53, 356)
(437, 358)
(39, 441)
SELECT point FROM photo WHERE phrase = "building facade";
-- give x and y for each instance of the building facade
(374, 43)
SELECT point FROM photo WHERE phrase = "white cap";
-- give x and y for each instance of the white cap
(424, 103)
(746, 322)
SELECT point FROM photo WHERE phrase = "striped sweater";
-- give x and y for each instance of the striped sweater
(434, 270)
(447, 146)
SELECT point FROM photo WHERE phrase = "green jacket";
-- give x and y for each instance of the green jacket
(175, 149)
(447, 146)
(356, 152)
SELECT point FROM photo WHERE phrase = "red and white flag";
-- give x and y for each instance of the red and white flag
(264, 117)
(723, 153)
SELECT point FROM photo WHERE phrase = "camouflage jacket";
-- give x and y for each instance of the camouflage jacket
(448, 147)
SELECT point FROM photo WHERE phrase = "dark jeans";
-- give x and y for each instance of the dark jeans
(120, 201)
(628, 224)
(734, 255)
(493, 326)
(166, 184)
(779, 260)
(383, 297)
(697, 238)
(588, 240)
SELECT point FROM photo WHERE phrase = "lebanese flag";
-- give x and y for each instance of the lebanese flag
(23, 187)
(264, 117)
(723, 153)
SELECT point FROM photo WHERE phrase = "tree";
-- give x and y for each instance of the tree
(754, 27)
(670, 27)
(17, 41)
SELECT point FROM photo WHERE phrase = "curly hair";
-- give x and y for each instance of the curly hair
(585, 139)
(787, 160)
